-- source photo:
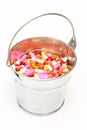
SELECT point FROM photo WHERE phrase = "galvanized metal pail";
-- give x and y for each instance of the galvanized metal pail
(43, 96)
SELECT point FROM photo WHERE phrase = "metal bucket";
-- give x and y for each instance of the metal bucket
(43, 96)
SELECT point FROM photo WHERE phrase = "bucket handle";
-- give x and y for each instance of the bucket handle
(72, 42)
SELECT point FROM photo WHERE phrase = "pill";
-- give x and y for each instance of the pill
(57, 66)
(29, 72)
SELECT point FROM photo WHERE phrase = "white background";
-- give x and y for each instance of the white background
(73, 114)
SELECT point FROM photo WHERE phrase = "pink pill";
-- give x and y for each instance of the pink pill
(57, 66)
(27, 66)
(44, 72)
(33, 57)
(22, 66)
(29, 72)
(43, 76)
(14, 54)
(23, 57)
(20, 55)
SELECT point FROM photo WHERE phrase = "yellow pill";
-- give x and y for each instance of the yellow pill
(22, 71)
(27, 61)
(17, 62)
(57, 58)
(31, 53)
(38, 70)
(65, 70)
(34, 66)
(39, 60)
(44, 56)
(36, 76)
(54, 63)
(48, 67)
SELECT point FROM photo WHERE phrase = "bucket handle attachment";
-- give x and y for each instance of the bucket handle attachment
(72, 42)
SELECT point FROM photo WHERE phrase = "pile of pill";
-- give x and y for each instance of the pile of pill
(40, 64)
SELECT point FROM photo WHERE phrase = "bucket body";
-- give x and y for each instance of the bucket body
(41, 97)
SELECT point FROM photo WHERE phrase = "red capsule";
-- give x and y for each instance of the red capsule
(22, 63)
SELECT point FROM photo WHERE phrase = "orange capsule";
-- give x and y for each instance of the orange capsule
(69, 67)
(49, 54)
(17, 68)
(55, 71)
(40, 65)
(53, 57)
(57, 75)
(38, 56)
(51, 75)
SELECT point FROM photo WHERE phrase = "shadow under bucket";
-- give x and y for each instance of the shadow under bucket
(42, 69)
